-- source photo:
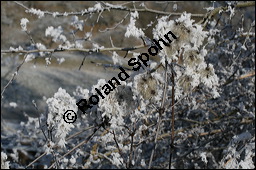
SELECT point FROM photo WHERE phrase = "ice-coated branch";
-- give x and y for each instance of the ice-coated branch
(74, 49)
(106, 8)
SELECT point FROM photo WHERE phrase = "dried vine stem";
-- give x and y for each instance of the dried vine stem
(131, 150)
(161, 111)
(172, 120)
(107, 29)
(252, 73)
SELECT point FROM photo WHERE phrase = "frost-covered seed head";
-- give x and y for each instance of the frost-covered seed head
(147, 86)
(124, 96)
(184, 82)
(181, 32)
(191, 58)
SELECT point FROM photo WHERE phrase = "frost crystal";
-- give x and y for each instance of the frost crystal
(175, 6)
(47, 60)
(16, 49)
(143, 164)
(78, 24)
(56, 33)
(54, 14)
(72, 160)
(35, 12)
(23, 24)
(60, 60)
(79, 44)
(13, 104)
(4, 163)
(232, 11)
(203, 157)
(30, 57)
(132, 30)
(81, 93)
(116, 58)
(40, 46)
(117, 160)
(98, 7)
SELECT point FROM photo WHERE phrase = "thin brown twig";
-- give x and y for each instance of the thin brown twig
(107, 29)
(30, 37)
(13, 76)
(40, 125)
(131, 150)
(119, 150)
(78, 133)
(21, 5)
(172, 120)
(252, 73)
(82, 63)
(36, 159)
